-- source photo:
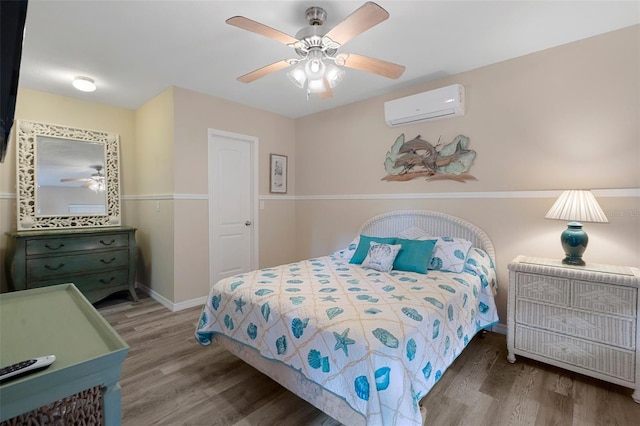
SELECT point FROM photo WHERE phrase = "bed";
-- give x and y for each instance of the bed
(361, 344)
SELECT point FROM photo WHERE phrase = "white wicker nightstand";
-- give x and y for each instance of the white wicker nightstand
(582, 318)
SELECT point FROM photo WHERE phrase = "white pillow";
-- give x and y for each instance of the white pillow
(414, 233)
(381, 256)
(347, 252)
(449, 254)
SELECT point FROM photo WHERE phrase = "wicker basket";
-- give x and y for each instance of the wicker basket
(81, 409)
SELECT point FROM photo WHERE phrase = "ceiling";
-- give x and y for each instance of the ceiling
(135, 50)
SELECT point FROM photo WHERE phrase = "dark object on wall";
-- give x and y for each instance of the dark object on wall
(408, 160)
(13, 15)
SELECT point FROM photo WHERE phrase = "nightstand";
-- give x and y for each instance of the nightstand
(83, 382)
(581, 318)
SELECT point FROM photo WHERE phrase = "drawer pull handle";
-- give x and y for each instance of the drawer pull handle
(54, 248)
(105, 281)
(106, 262)
(109, 243)
(54, 268)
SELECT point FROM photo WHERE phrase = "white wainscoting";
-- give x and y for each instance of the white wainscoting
(604, 193)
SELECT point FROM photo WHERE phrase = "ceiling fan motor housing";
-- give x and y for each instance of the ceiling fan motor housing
(312, 36)
(316, 15)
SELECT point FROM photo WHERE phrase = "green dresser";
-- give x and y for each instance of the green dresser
(99, 261)
(83, 382)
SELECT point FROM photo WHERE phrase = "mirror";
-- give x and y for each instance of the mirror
(67, 177)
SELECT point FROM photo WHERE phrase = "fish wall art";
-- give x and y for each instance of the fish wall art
(417, 157)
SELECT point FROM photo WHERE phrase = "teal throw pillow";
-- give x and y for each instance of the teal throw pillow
(414, 256)
(365, 244)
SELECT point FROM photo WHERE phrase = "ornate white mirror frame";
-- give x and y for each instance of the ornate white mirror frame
(27, 133)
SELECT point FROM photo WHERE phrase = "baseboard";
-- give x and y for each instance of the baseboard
(499, 328)
(173, 307)
(156, 296)
(199, 301)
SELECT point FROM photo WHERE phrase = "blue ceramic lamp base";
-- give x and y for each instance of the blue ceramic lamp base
(574, 242)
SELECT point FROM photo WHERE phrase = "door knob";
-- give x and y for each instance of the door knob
(247, 223)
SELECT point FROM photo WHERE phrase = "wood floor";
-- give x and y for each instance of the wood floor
(169, 379)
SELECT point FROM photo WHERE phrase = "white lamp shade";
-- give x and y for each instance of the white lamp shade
(298, 76)
(315, 68)
(334, 75)
(577, 205)
(316, 86)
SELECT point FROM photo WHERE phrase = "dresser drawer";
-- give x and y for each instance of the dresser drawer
(42, 268)
(61, 245)
(607, 329)
(605, 298)
(543, 288)
(99, 280)
(598, 358)
(99, 261)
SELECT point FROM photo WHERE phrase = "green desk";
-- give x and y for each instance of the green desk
(60, 321)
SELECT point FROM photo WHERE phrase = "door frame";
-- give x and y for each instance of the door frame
(212, 135)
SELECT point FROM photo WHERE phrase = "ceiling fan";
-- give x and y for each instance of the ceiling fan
(318, 63)
(95, 182)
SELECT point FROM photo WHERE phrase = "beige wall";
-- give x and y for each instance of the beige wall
(164, 179)
(154, 148)
(54, 109)
(563, 118)
(152, 200)
(171, 188)
(195, 113)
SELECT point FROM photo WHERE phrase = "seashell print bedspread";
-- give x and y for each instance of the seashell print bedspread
(378, 340)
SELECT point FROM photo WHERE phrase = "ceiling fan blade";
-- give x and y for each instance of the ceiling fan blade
(328, 93)
(372, 65)
(363, 18)
(76, 180)
(263, 30)
(261, 72)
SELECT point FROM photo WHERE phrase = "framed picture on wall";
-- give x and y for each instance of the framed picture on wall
(278, 174)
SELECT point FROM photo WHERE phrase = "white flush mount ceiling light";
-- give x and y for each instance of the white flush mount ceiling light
(84, 84)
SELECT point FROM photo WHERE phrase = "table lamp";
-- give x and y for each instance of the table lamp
(576, 206)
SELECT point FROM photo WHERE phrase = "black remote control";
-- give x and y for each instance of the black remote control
(26, 366)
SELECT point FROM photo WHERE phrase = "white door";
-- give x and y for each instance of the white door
(233, 236)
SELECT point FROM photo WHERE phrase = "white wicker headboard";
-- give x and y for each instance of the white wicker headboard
(435, 223)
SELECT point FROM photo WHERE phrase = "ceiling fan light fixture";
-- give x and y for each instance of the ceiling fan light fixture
(84, 84)
(318, 59)
(334, 75)
(298, 76)
(316, 86)
(314, 68)
(97, 185)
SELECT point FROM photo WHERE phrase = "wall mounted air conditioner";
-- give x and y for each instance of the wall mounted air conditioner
(435, 104)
